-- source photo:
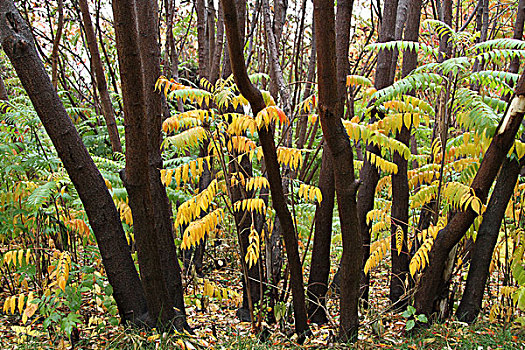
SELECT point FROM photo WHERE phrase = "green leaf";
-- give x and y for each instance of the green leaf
(410, 324)
(422, 318)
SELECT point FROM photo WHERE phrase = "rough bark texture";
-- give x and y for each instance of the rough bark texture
(136, 177)
(150, 56)
(330, 111)
(369, 175)
(431, 283)
(107, 107)
(270, 157)
(103, 217)
(487, 237)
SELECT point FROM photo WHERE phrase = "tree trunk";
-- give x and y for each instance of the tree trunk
(320, 264)
(369, 174)
(103, 217)
(145, 204)
(431, 282)
(330, 111)
(486, 240)
(107, 107)
(253, 95)
(400, 191)
(149, 46)
(487, 237)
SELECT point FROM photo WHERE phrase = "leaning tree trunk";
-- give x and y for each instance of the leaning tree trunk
(487, 237)
(102, 87)
(254, 96)
(103, 217)
(431, 281)
(330, 111)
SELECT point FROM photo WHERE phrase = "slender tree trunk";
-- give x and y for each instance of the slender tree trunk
(330, 111)
(400, 190)
(202, 40)
(137, 177)
(270, 157)
(369, 174)
(103, 217)
(431, 282)
(323, 230)
(56, 43)
(107, 107)
(149, 45)
(320, 264)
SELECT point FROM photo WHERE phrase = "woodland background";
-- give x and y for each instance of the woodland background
(256, 174)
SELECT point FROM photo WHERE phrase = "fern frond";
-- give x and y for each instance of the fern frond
(358, 80)
(412, 82)
(505, 43)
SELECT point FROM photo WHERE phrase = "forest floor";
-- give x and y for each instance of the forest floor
(216, 326)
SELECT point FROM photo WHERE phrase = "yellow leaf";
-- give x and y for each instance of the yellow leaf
(21, 304)
(12, 302)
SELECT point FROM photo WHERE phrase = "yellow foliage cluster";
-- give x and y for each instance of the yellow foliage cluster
(257, 183)
(378, 250)
(270, 115)
(290, 157)
(310, 193)
(241, 144)
(193, 207)
(240, 123)
(252, 254)
(186, 120)
(381, 163)
(78, 225)
(250, 204)
(462, 197)
(17, 257)
(182, 173)
(60, 270)
(11, 304)
(187, 138)
(197, 229)
(125, 212)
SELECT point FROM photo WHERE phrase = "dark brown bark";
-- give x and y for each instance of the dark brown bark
(330, 111)
(486, 239)
(103, 217)
(203, 43)
(431, 283)
(320, 267)
(137, 175)
(369, 174)
(149, 46)
(107, 107)
(320, 264)
(400, 189)
(253, 95)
